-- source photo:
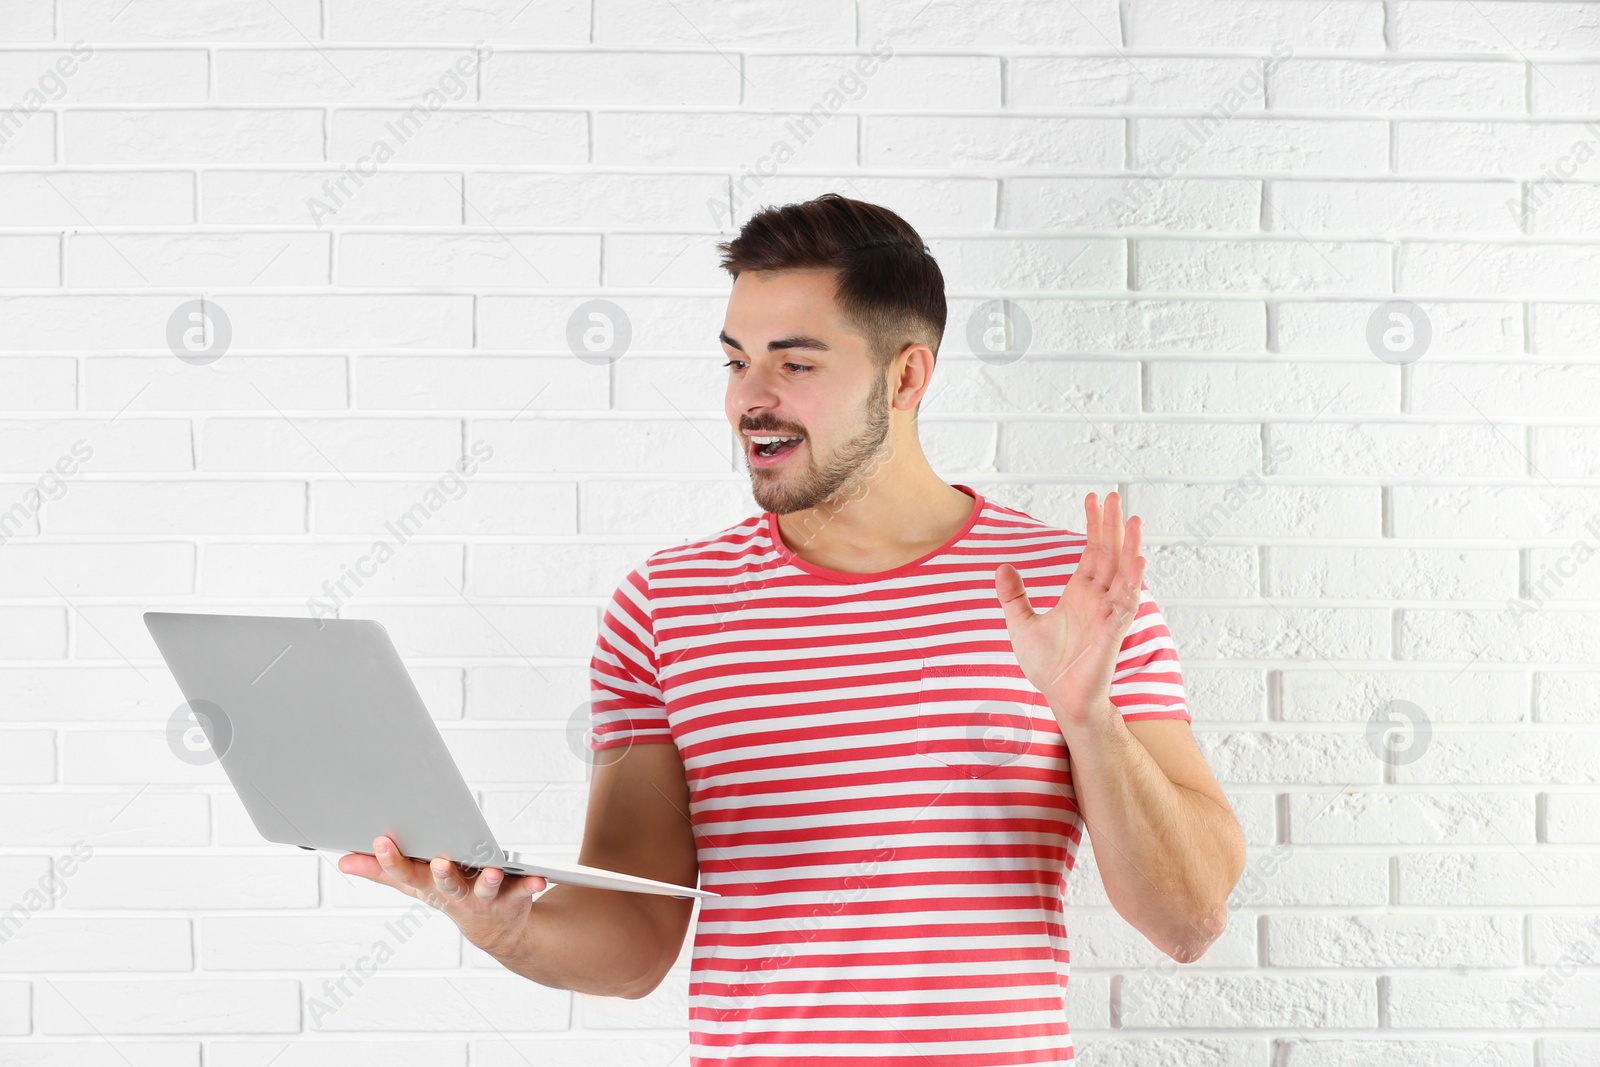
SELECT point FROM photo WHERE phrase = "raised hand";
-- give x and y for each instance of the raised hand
(1069, 653)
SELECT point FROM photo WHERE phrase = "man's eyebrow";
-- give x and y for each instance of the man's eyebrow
(801, 341)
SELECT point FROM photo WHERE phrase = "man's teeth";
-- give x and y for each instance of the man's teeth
(770, 440)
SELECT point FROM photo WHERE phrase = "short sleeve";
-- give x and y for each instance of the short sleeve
(1148, 682)
(625, 703)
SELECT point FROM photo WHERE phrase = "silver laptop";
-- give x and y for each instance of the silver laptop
(328, 744)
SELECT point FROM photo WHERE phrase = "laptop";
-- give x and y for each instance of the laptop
(328, 744)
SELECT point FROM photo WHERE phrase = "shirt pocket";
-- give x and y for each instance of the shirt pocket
(976, 713)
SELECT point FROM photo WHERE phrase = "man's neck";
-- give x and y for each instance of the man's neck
(879, 529)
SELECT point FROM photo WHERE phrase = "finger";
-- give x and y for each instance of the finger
(1130, 551)
(1013, 595)
(1132, 577)
(447, 881)
(1091, 531)
(1112, 536)
(486, 886)
(361, 864)
(399, 871)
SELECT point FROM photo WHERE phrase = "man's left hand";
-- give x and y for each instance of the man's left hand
(1069, 653)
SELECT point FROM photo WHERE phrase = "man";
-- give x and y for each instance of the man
(847, 718)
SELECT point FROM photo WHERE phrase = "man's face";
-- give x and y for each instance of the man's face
(799, 370)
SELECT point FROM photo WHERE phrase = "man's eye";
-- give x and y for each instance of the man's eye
(801, 366)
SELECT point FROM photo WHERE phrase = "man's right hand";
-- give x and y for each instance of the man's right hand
(490, 908)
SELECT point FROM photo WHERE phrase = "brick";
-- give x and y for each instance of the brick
(58, 943)
(1505, 635)
(455, 135)
(1564, 696)
(245, 570)
(1352, 695)
(344, 75)
(1501, 149)
(164, 260)
(1398, 573)
(593, 200)
(1393, 941)
(1030, 23)
(1302, 756)
(28, 20)
(1243, 1001)
(1524, 756)
(1045, 143)
(900, 82)
(1457, 328)
(1341, 24)
(31, 261)
(188, 883)
(204, 135)
(249, 20)
(1391, 207)
(460, 506)
(1378, 817)
(1131, 202)
(551, 22)
(111, 198)
(237, 382)
(42, 383)
(1494, 879)
(1119, 449)
(420, 938)
(1261, 266)
(1403, 450)
(1247, 145)
(1040, 82)
(1494, 1001)
(168, 1006)
(1500, 25)
(1388, 85)
(698, 22)
(759, 141)
(109, 75)
(438, 1005)
(475, 260)
(333, 197)
(1249, 507)
(1494, 270)
(610, 78)
(1572, 818)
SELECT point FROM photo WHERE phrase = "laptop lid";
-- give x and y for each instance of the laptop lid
(323, 734)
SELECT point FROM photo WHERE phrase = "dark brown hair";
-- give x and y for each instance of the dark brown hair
(888, 287)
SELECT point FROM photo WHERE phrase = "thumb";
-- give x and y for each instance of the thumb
(1013, 596)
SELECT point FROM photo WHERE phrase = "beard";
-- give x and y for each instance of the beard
(802, 483)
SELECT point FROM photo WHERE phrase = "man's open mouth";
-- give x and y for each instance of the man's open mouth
(773, 445)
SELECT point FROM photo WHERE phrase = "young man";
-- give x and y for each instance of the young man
(848, 718)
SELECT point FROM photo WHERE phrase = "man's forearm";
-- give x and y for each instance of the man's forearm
(596, 941)
(1168, 856)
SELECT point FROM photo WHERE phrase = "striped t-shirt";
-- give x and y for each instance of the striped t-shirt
(878, 794)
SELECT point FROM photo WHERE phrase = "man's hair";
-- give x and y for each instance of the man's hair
(889, 287)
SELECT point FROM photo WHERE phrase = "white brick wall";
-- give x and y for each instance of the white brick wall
(1198, 249)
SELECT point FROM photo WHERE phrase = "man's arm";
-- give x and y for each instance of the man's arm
(605, 941)
(1165, 838)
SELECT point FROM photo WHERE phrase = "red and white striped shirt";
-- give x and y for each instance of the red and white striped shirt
(878, 794)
